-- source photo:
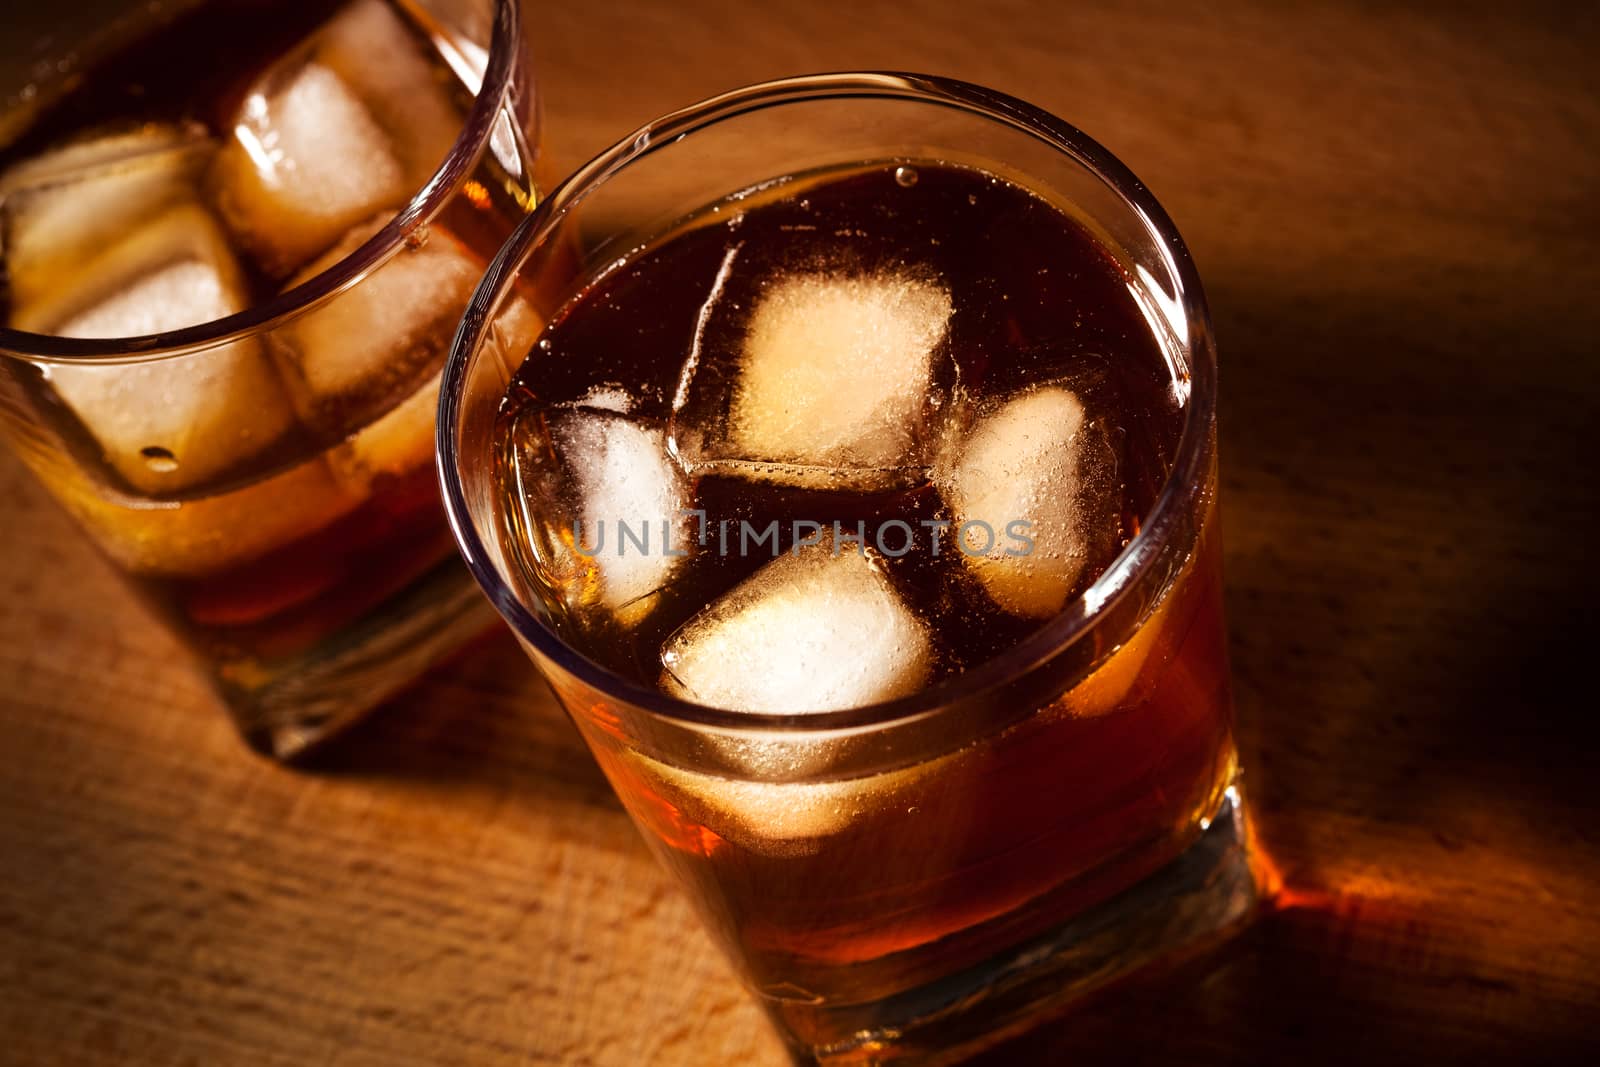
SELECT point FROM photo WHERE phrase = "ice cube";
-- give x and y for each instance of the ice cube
(396, 445)
(62, 207)
(372, 51)
(827, 386)
(1037, 460)
(306, 161)
(355, 356)
(399, 443)
(611, 527)
(1123, 676)
(779, 819)
(351, 124)
(820, 629)
(172, 424)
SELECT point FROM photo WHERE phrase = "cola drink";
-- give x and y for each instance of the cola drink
(845, 441)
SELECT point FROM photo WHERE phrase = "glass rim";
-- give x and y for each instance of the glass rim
(1136, 560)
(477, 128)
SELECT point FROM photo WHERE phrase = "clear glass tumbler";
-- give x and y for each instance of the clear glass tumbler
(265, 479)
(918, 878)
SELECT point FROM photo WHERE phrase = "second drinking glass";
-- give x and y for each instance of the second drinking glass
(236, 252)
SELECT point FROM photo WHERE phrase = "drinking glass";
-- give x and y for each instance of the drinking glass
(918, 878)
(315, 576)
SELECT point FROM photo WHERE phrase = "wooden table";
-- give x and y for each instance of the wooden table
(1395, 214)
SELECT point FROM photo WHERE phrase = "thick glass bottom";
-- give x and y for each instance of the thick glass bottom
(1207, 893)
(292, 707)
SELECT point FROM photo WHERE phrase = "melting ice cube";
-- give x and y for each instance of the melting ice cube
(400, 441)
(816, 630)
(776, 818)
(171, 424)
(62, 207)
(306, 162)
(828, 385)
(399, 325)
(349, 125)
(1040, 461)
(397, 444)
(373, 52)
(1123, 677)
(611, 528)
(355, 356)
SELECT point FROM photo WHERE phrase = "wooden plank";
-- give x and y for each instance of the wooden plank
(1393, 208)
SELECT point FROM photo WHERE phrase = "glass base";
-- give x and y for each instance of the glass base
(308, 699)
(1208, 893)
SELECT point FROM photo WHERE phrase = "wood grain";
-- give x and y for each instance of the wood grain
(1394, 209)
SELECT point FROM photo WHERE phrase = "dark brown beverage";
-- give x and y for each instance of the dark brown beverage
(833, 442)
(275, 495)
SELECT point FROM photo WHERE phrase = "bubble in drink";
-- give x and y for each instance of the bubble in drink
(195, 420)
(820, 629)
(827, 385)
(1040, 462)
(345, 127)
(606, 509)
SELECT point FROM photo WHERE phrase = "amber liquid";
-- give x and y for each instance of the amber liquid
(846, 887)
(272, 565)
